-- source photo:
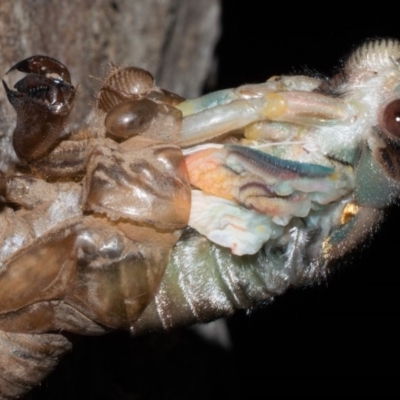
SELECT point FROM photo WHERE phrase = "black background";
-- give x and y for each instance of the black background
(337, 340)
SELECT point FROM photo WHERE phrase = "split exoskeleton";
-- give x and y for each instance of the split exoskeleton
(105, 213)
(162, 211)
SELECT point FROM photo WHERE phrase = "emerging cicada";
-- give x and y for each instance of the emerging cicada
(163, 211)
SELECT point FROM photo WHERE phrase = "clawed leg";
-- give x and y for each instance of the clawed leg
(43, 101)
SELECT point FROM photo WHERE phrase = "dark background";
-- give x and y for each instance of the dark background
(337, 340)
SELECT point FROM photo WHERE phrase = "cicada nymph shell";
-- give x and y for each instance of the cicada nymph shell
(88, 251)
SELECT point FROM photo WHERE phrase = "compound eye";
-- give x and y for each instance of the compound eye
(391, 118)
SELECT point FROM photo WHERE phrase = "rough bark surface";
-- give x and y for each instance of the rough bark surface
(173, 39)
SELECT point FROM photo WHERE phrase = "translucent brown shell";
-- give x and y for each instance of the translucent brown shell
(122, 84)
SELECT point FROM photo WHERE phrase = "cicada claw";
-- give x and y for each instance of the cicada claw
(43, 65)
(43, 100)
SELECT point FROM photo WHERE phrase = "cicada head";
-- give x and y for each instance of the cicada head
(370, 82)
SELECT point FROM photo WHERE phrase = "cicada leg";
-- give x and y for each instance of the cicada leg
(213, 116)
(43, 101)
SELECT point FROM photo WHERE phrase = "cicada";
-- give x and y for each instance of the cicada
(163, 211)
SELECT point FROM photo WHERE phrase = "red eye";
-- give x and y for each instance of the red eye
(391, 118)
